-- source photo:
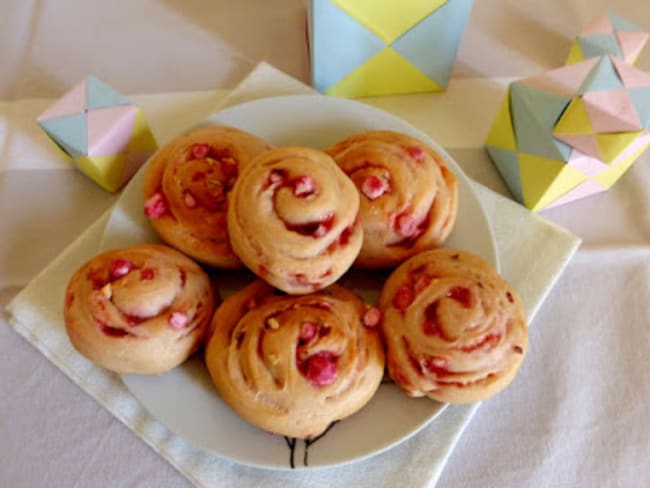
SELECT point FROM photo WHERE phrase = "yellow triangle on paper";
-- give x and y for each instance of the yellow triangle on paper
(106, 171)
(608, 177)
(502, 134)
(575, 54)
(545, 180)
(385, 73)
(141, 138)
(574, 120)
(611, 145)
(388, 19)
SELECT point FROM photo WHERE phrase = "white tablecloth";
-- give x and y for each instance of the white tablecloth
(578, 416)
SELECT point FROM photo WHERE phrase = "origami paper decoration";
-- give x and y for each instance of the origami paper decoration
(104, 133)
(571, 132)
(381, 47)
(608, 34)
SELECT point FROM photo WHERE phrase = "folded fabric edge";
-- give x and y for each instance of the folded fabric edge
(565, 245)
(277, 83)
(82, 383)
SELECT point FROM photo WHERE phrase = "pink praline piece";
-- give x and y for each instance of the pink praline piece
(321, 369)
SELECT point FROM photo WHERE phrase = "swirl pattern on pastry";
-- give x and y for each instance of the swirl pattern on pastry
(186, 187)
(138, 310)
(408, 195)
(293, 221)
(292, 365)
(455, 330)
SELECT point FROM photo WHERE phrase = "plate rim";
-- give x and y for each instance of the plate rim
(416, 132)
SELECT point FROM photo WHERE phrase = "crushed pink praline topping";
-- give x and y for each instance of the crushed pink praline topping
(320, 231)
(437, 365)
(120, 267)
(431, 326)
(462, 295)
(147, 274)
(155, 206)
(321, 368)
(200, 151)
(406, 225)
(308, 330)
(421, 282)
(372, 317)
(189, 200)
(344, 238)
(373, 187)
(276, 176)
(403, 297)
(178, 320)
(416, 152)
(229, 168)
(303, 186)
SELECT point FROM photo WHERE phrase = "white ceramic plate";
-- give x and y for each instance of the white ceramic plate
(184, 399)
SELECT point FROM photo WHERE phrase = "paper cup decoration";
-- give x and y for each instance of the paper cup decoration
(608, 34)
(571, 132)
(104, 133)
(381, 47)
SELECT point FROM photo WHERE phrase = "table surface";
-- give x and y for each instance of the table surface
(577, 414)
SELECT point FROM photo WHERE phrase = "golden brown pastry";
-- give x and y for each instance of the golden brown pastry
(292, 365)
(408, 195)
(454, 329)
(138, 310)
(186, 187)
(292, 219)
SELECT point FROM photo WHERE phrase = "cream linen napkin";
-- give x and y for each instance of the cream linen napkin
(531, 261)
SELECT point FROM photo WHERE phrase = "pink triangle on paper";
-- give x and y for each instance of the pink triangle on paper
(586, 164)
(583, 190)
(73, 102)
(585, 143)
(631, 76)
(563, 81)
(631, 43)
(611, 111)
(110, 129)
(599, 25)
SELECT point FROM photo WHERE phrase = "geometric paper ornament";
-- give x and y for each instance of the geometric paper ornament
(608, 34)
(571, 132)
(381, 47)
(104, 133)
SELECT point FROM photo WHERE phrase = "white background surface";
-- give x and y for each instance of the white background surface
(577, 415)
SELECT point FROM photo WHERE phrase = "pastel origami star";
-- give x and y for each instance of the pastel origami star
(104, 133)
(608, 34)
(369, 47)
(571, 132)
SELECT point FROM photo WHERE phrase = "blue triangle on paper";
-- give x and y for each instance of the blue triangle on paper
(603, 76)
(620, 24)
(507, 162)
(69, 132)
(100, 95)
(339, 45)
(432, 44)
(640, 98)
(535, 113)
(596, 45)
